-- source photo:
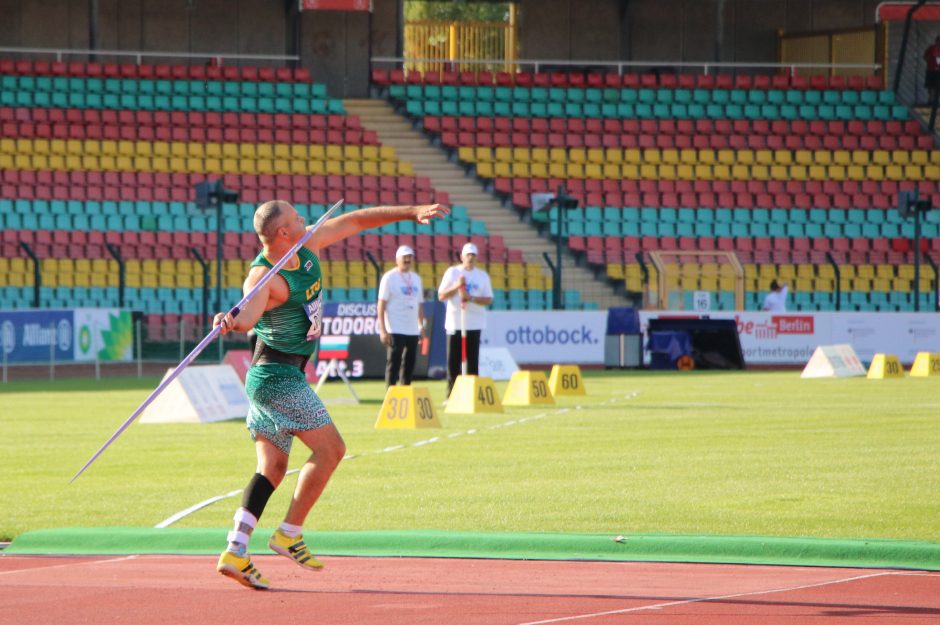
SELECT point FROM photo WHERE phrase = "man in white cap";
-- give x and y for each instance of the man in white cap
(400, 317)
(468, 287)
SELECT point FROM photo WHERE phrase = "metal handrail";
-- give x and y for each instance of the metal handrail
(140, 54)
(620, 65)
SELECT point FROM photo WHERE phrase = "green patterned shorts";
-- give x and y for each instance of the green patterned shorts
(281, 403)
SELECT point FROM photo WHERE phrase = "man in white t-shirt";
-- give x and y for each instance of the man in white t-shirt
(776, 300)
(400, 317)
(466, 287)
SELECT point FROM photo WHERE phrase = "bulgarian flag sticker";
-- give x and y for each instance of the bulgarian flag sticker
(334, 347)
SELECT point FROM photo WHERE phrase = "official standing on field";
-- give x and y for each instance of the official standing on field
(400, 318)
(465, 286)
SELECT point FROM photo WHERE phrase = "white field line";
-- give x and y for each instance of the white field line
(70, 564)
(659, 606)
(170, 520)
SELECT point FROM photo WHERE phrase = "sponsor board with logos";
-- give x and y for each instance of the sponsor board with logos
(80, 334)
(791, 338)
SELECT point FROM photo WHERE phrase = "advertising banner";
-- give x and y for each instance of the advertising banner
(82, 334)
(350, 335)
(791, 338)
(548, 337)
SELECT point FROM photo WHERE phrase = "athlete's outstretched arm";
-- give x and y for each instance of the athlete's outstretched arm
(339, 228)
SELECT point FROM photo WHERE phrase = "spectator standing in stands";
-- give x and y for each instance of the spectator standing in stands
(286, 315)
(932, 78)
(776, 300)
(466, 287)
(400, 318)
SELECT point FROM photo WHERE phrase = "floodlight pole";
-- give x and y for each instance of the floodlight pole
(37, 273)
(918, 207)
(205, 286)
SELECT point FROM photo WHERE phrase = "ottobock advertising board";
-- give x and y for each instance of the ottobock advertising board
(791, 338)
(80, 334)
(548, 337)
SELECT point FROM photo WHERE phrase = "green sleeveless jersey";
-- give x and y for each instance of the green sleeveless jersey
(294, 326)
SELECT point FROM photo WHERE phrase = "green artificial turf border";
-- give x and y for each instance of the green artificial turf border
(876, 553)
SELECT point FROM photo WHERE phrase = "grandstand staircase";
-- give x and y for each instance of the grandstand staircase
(445, 175)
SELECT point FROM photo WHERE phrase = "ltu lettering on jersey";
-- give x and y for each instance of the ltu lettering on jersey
(312, 290)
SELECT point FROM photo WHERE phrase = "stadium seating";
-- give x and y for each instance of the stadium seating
(97, 159)
(780, 169)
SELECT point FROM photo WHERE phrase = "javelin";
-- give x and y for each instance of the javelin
(211, 336)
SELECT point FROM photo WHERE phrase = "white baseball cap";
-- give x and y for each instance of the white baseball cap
(469, 248)
(404, 250)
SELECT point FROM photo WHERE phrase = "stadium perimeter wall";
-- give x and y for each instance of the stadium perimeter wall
(336, 47)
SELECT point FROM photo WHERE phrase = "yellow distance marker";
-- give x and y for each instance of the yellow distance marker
(471, 394)
(407, 407)
(566, 380)
(926, 364)
(885, 366)
(527, 388)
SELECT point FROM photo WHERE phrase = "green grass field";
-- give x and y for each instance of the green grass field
(743, 453)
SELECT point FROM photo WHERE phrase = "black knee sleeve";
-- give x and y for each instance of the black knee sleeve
(256, 494)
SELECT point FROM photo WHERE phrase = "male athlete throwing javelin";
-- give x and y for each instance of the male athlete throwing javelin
(286, 316)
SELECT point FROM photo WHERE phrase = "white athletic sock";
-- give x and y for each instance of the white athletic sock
(291, 530)
(238, 538)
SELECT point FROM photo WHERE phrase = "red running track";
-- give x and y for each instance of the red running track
(183, 590)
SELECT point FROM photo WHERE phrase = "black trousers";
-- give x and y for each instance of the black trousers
(400, 359)
(453, 356)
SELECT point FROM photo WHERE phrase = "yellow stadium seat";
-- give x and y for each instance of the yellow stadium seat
(129, 148)
(612, 171)
(897, 172)
(667, 172)
(387, 153)
(485, 170)
(405, 168)
(630, 171)
(351, 151)
(703, 172)
(335, 168)
(855, 172)
(538, 170)
(41, 146)
(593, 171)
(670, 156)
(264, 151)
(502, 155)
(817, 172)
(520, 155)
(685, 171)
(919, 157)
(574, 170)
(884, 157)
(727, 157)
(633, 156)
(688, 156)
(539, 155)
(721, 172)
(369, 152)
(595, 155)
(875, 172)
(519, 169)
(707, 156)
(652, 156)
(803, 157)
(613, 155)
(649, 172)
(798, 172)
(932, 172)
(779, 172)
(556, 170)
(577, 155)
(740, 172)
(764, 157)
(861, 157)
